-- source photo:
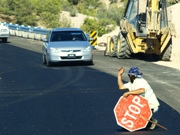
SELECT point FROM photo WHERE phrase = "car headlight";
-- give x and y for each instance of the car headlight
(88, 49)
(53, 50)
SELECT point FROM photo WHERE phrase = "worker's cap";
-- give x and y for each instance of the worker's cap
(135, 71)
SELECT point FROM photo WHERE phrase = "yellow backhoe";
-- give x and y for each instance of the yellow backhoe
(147, 32)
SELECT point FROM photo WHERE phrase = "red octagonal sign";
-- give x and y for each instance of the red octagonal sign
(132, 113)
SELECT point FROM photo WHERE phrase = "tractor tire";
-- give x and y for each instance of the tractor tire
(166, 54)
(111, 47)
(107, 51)
(123, 50)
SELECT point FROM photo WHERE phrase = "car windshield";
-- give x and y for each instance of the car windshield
(68, 36)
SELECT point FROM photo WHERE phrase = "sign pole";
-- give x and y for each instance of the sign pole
(154, 123)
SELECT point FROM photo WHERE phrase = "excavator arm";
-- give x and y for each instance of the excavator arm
(153, 18)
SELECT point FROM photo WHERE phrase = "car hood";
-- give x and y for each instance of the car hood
(69, 44)
(3, 27)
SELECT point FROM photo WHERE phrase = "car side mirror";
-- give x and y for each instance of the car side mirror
(89, 38)
(44, 39)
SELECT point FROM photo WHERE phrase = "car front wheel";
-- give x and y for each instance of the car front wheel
(4, 40)
(48, 63)
(44, 59)
(90, 62)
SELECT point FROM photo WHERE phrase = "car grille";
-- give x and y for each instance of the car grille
(65, 57)
(3, 30)
(70, 50)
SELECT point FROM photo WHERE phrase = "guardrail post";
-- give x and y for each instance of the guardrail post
(29, 33)
(16, 31)
(35, 35)
(10, 30)
(41, 36)
(22, 32)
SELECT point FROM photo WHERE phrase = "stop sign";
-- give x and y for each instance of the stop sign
(132, 112)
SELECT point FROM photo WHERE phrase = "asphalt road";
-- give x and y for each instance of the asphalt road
(74, 99)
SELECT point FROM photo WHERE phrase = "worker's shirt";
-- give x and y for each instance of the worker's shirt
(149, 93)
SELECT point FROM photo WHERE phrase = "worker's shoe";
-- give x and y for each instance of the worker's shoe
(154, 122)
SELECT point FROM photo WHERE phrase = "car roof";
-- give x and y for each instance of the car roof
(66, 29)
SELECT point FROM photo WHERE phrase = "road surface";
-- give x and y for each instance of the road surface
(74, 99)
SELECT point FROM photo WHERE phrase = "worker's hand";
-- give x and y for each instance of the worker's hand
(121, 71)
(126, 94)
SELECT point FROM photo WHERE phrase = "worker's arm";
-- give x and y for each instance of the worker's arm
(134, 92)
(120, 82)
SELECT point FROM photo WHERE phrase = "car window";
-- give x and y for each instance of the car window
(68, 36)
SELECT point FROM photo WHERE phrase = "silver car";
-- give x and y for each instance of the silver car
(66, 44)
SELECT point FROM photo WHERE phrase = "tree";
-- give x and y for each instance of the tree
(49, 12)
(112, 13)
(26, 17)
(92, 4)
(89, 24)
(113, 1)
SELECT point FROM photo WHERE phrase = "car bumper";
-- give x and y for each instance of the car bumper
(4, 35)
(81, 56)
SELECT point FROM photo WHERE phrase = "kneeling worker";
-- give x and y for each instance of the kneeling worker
(139, 86)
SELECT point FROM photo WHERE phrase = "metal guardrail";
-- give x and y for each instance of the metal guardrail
(26, 31)
(35, 33)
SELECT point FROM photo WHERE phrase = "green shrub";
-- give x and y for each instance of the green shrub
(66, 6)
(64, 22)
(89, 24)
(102, 26)
(113, 13)
(113, 1)
(73, 13)
(74, 2)
(50, 20)
(105, 26)
(85, 9)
